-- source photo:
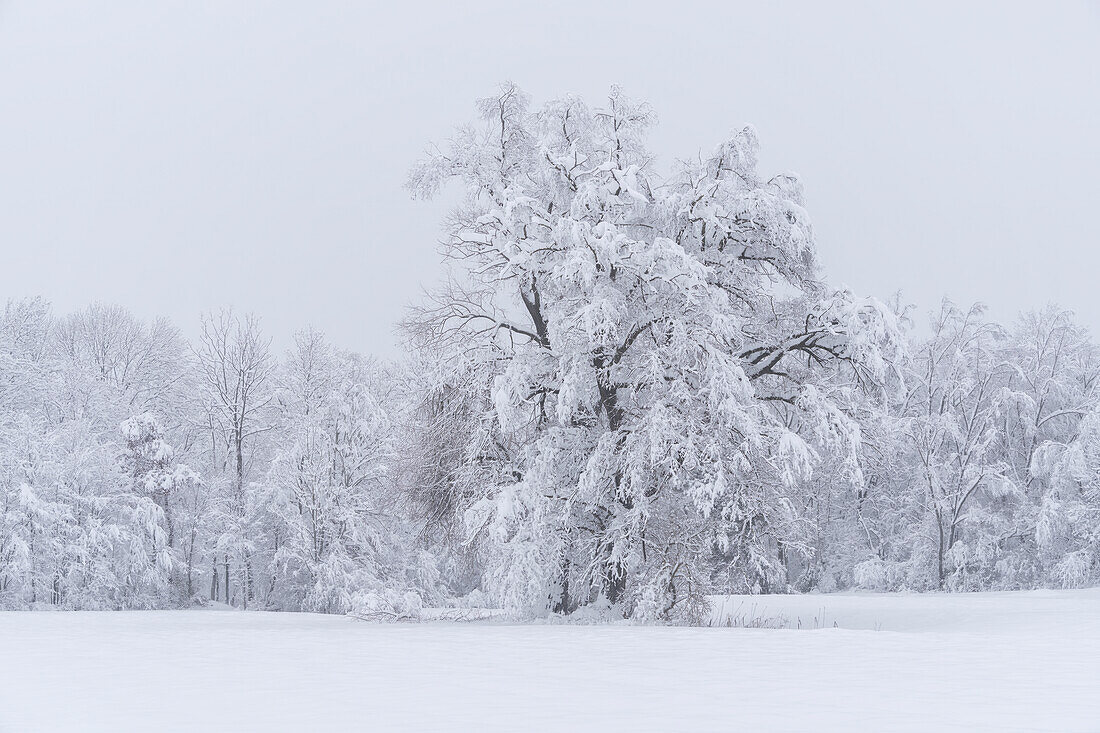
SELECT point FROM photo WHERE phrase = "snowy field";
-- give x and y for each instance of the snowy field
(999, 662)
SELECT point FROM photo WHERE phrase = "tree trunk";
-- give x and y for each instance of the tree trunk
(614, 574)
(247, 578)
(939, 554)
(564, 603)
(615, 582)
(190, 566)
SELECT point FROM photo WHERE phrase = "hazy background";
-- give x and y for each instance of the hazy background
(176, 156)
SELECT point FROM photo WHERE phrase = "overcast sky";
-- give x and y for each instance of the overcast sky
(177, 156)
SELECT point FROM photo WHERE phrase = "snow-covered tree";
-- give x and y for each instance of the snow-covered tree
(1067, 529)
(235, 367)
(951, 424)
(988, 413)
(138, 364)
(340, 544)
(155, 474)
(74, 534)
(658, 344)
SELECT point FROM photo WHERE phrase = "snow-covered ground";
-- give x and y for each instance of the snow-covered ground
(999, 662)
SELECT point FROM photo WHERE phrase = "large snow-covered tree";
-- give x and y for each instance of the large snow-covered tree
(658, 344)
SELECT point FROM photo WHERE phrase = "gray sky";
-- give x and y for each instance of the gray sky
(176, 156)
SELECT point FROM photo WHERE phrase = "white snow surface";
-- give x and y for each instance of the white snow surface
(1025, 661)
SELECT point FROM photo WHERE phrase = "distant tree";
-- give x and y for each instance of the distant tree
(155, 474)
(235, 367)
(1067, 530)
(332, 496)
(119, 365)
(441, 399)
(957, 378)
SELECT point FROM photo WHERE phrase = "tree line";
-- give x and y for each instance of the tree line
(633, 390)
